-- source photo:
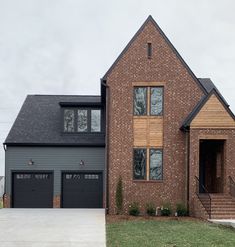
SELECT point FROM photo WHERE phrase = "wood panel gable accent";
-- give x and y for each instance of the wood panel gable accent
(213, 114)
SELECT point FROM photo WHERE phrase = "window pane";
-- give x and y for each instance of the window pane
(82, 120)
(140, 102)
(68, 120)
(155, 164)
(95, 120)
(156, 100)
(139, 163)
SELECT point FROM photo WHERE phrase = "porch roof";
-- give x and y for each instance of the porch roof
(214, 91)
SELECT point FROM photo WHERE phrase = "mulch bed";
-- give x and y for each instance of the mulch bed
(122, 218)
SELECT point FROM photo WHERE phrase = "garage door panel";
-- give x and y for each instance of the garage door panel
(32, 190)
(82, 190)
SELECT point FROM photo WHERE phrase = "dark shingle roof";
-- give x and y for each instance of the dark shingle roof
(201, 103)
(39, 122)
(209, 86)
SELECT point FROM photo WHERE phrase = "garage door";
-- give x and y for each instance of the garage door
(32, 190)
(82, 190)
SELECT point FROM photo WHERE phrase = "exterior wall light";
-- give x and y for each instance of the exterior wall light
(82, 163)
(31, 162)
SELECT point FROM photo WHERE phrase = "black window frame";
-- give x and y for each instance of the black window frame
(74, 126)
(89, 109)
(88, 120)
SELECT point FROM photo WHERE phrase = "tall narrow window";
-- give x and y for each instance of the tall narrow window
(155, 171)
(82, 121)
(156, 101)
(139, 163)
(149, 50)
(95, 121)
(140, 101)
(69, 120)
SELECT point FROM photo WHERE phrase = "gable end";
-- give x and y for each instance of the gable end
(150, 19)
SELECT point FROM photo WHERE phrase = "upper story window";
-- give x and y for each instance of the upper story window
(144, 96)
(68, 120)
(140, 101)
(156, 101)
(95, 120)
(80, 120)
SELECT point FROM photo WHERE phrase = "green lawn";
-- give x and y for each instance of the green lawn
(168, 233)
(1, 203)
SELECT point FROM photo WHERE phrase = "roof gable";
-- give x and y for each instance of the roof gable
(211, 112)
(150, 19)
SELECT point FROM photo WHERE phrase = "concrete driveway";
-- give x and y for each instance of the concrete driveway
(52, 227)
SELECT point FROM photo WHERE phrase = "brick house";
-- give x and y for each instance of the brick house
(169, 135)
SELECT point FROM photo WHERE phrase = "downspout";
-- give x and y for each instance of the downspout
(106, 143)
(187, 166)
(4, 194)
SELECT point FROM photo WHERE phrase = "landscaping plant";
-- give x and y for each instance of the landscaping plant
(150, 209)
(119, 196)
(134, 209)
(181, 210)
(166, 209)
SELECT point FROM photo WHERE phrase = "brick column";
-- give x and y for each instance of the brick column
(6, 201)
(56, 201)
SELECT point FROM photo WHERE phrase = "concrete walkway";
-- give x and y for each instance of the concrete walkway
(225, 222)
(52, 227)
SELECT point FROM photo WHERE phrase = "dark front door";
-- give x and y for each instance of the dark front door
(211, 165)
(32, 190)
(82, 190)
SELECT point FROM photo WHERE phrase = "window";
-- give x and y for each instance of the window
(140, 101)
(95, 120)
(148, 95)
(150, 160)
(155, 170)
(68, 120)
(139, 163)
(149, 50)
(156, 101)
(80, 120)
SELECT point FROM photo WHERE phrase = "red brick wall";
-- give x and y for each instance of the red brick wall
(229, 159)
(56, 201)
(181, 94)
(6, 201)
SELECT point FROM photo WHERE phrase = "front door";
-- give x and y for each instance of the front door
(211, 166)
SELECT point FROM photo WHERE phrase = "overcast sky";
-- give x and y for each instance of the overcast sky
(66, 46)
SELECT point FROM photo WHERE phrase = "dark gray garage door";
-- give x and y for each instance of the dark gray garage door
(32, 190)
(82, 190)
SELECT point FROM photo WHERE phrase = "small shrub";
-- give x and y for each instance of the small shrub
(181, 209)
(134, 209)
(119, 196)
(166, 209)
(150, 209)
